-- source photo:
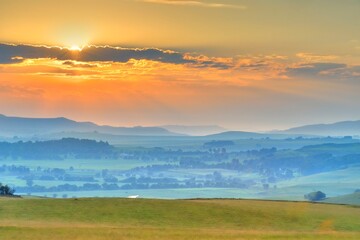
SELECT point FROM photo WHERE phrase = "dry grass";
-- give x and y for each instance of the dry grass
(95, 219)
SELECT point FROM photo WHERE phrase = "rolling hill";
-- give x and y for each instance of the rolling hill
(230, 135)
(346, 128)
(352, 199)
(24, 127)
(233, 135)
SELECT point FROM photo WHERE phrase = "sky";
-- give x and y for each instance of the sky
(250, 65)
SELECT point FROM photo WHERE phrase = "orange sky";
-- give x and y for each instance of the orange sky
(230, 63)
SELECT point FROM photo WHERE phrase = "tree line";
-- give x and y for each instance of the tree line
(57, 149)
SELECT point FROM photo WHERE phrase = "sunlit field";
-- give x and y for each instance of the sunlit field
(174, 219)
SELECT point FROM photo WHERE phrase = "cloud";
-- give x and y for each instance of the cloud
(195, 3)
(314, 68)
(88, 61)
(337, 71)
(17, 53)
(310, 57)
(202, 61)
(78, 65)
(88, 56)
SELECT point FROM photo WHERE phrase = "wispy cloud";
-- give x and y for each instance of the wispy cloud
(325, 71)
(310, 57)
(195, 3)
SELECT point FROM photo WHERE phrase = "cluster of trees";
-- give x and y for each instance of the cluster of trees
(219, 144)
(12, 169)
(151, 168)
(5, 190)
(215, 180)
(306, 161)
(315, 196)
(169, 155)
(54, 174)
(270, 164)
(57, 149)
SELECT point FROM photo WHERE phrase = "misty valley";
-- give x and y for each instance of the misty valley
(213, 166)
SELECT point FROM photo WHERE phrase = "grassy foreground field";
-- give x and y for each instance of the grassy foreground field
(92, 219)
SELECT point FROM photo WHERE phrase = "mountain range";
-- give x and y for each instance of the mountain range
(30, 127)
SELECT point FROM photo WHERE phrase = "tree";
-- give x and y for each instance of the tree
(5, 190)
(315, 196)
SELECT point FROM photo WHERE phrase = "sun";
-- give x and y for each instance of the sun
(75, 48)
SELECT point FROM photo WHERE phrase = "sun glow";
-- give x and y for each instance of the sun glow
(75, 48)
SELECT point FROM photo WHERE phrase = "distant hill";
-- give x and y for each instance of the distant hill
(230, 135)
(195, 130)
(233, 135)
(18, 126)
(332, 148)
(352, 199)
(346, 128)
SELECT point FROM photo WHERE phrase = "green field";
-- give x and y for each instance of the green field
(107, 218)
(334, 184)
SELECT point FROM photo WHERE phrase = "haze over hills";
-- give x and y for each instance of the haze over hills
(352, 199)
(47, 127)
(18, 126)
(195, 130)
(345, 128)
(236, 135)
(57, 128)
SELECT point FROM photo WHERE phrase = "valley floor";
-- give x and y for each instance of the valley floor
(115, 218)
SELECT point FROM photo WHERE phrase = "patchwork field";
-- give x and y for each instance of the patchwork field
(114, 218)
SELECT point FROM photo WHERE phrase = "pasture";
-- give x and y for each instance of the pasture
(116, 218)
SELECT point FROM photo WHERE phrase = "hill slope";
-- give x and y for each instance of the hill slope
(177, 219)
(346, 128)
(12, 126)
(231, 135)
(353, 199)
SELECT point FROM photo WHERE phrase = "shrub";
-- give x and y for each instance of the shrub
(315, 196)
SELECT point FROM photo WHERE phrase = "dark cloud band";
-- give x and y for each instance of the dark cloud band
(15, 53)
